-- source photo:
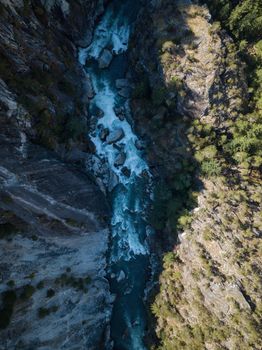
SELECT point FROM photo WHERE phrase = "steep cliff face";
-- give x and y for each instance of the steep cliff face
(189, 97)
(190, 104)
(53, 226)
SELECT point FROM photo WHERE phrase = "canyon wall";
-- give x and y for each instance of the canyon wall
(191, 105)
(54, 219)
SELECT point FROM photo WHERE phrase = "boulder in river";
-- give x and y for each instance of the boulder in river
(98, 112)
(113, 181)
(124, 92)
(121, 117)
(122, 83)
(105, 59)
(115, 136)
(120, 147)
(120, 159)
(90, 93)
(104, 132)
(126, 171)
(120, 112)
(121, 276)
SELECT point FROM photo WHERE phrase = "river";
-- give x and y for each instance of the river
(129, 258)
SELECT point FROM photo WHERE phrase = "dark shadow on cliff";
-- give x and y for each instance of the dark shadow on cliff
(164, 119)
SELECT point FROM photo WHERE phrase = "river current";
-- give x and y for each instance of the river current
(129, 260)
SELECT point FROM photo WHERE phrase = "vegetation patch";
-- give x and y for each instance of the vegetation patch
(7, 306)
(44, 312)
(79, 283)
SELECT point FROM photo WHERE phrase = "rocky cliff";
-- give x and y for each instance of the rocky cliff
(194, 110)
(53, 226)
(190, 103)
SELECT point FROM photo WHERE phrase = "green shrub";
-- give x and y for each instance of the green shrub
(209, 152)
(7, 229)
(11, 283)
(6, 311)
(158, 95)
(27, 292)
(43, 312)
(184, 221)
(141, 90)
(78, 283)
(211, 168)
(40, 285)
(50, 293)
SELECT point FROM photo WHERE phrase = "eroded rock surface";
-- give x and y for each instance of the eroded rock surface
(105, 59)
(54, 218)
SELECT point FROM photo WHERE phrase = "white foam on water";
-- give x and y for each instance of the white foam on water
(123, 226)
(112, 33)
(105, 99)
(129, 230)
(135, 335)
(123, 229)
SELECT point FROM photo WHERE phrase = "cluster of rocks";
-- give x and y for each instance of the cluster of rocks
(120, 113)
(112, 138)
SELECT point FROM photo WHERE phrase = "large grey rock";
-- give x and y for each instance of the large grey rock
(104, 132)
(115, 136)
(120, 112)
(88, 86)
(124, 92)
(98, 112)
(121, 276)
(126, 171)
(122, 83)
(105, 59)
(113, 181)
(120, 159)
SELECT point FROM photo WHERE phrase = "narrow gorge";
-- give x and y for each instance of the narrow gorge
(130, 175)
(119, 150)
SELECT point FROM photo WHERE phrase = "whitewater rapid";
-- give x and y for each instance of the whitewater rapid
(129, 252)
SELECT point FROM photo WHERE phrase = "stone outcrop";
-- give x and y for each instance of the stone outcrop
(54, 218)
(115, 136)
(120, 159)
(190, 88)
(105, 59)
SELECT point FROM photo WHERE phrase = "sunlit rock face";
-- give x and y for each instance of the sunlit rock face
(54, 218)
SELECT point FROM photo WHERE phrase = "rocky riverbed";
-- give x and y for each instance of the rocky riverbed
(121, 170)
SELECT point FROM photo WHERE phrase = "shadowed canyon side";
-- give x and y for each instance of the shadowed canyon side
(54, 230)
(197, 101)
